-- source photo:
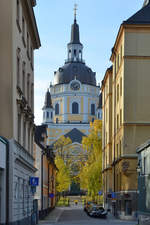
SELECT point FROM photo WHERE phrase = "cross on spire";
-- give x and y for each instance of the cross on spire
(75, 10)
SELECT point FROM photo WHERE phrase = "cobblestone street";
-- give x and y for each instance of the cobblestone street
(76, 216)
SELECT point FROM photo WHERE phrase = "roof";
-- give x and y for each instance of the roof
(143, 146)
(68, 72)
(140, 17)
(38, 136)
(48, 100)
(75, 135)
(75, 35)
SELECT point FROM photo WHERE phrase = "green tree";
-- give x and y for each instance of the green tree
(91, 170)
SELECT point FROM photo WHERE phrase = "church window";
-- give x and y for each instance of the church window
(98, 115)
(92, 109)
(75, 52)
(92, 120)
(75, 108)
(51, 115)
(80, 54)
(44, 115)
(57, 109)
(47, 115)
(57, 120)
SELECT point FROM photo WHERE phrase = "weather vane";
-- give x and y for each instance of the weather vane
(75, 10)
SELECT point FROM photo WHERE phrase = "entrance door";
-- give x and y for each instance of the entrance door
(128, 207)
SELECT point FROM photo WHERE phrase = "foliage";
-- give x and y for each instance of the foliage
(63, 201)
(91, 170)
(63, 180)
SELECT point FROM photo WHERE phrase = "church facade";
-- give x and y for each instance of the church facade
(74, 100)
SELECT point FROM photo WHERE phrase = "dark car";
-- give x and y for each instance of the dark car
(97, 211)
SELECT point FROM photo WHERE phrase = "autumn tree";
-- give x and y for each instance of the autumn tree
(91, 170)
(63, 180)
(62, 160)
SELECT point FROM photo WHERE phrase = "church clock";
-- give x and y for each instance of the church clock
(75, 86)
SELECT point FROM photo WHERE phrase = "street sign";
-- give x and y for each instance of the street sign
(51, 195)
(113, 195)
(34, 181)
(100, 192)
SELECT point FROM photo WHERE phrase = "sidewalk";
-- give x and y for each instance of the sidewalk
(53, 216)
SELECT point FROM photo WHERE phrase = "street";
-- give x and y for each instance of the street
(76, 216)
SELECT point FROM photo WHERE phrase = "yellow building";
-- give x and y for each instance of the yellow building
(126, 117)
(72, 102)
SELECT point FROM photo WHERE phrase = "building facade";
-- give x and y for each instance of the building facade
(19, 38)
(72, 102)
(129, 123)
(44, 161)
(144, 183)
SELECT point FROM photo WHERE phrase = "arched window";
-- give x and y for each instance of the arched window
(75, 108)
(57, 109)
(47, 115)
(92, 109)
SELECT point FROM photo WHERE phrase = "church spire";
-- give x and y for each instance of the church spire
(75, 47)
(75, 34)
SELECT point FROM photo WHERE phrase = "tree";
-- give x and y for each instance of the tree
(63, 177)
(61, 146)
(91, 170)
(63, 180)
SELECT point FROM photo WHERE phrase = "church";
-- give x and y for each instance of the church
(74, 100)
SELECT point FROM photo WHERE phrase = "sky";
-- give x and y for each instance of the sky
(99, 22)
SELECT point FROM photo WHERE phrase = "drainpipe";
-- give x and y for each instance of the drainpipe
(42, 181)
(7, 183)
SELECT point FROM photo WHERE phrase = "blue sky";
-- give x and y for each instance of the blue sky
(99, 22)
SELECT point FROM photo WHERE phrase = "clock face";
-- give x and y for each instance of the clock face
(75, 86)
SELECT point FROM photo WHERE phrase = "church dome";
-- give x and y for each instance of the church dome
(73, 70)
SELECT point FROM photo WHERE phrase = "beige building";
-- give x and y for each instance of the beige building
(18, 39)
(126, 112)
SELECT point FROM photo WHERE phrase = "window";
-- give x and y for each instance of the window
(29, 138)
(117, 92)
(23, 78)
(98, 115)
(92, 120)
(75, 108)
(19, 127)
(51, 115)
(43, 115)
(23, 27)
(92, 109)
(117, 121)
(18, 10)
(120, 148)
(120, 117)
(24, 134)
(28, 45)
(75, 52)
(18, 66)
(28, 87)
(31, 49)
(47, 115)
(121, 86)
(57, 109)
(57, 120)
(32, 95)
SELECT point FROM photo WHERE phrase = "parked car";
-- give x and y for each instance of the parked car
(97, 211)
(87, 205)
